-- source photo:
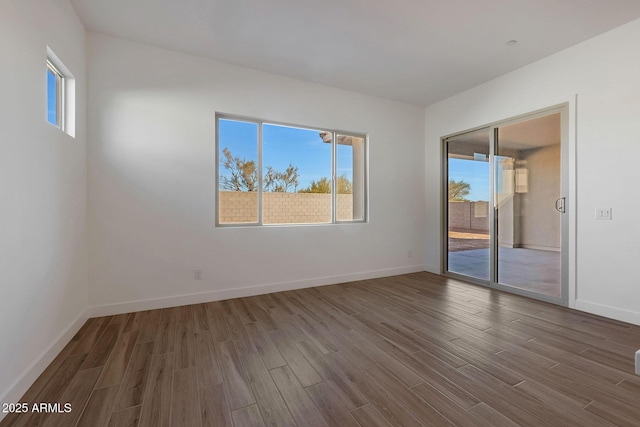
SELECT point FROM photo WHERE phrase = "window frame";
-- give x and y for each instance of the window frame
(60, 95)
(334, 137)
(65, 94)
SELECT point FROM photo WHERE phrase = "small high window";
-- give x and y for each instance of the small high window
(55, 98)
(61, 95)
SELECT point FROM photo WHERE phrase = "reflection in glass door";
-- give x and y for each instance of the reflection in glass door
(528, 205)
(469, 185)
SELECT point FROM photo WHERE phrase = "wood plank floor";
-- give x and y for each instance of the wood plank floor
(409, 350)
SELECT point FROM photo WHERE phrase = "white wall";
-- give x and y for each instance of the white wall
(152, 182)
(603, 72)
(43, 265)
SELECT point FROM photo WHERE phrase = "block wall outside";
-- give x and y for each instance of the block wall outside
(282, 208)
(469, 216)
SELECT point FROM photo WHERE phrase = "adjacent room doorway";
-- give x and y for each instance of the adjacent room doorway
(505, 190)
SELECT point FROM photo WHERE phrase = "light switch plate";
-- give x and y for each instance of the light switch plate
(603, 214)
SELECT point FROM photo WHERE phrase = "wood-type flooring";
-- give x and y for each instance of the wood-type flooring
(410, 350)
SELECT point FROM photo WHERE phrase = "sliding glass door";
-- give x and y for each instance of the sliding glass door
(505, 205)
(468, 200)
(527, 164)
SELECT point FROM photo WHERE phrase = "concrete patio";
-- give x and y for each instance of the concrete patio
(529, 269)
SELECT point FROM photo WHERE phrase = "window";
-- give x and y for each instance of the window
(270, 173)
(55, 99)
(61, 94)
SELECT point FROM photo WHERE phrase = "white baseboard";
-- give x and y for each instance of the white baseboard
(28, 377)
(608, 311)
(222, 294)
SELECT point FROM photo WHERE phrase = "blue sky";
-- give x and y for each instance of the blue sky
(281, 146)
(474, 172)
(51, 97)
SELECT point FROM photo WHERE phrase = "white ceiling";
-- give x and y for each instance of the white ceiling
(417, 51)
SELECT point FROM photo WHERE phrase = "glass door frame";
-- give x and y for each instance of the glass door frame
(563, 300)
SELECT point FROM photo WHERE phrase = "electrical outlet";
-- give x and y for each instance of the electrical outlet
(603, 214)
(197, 274)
